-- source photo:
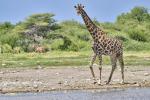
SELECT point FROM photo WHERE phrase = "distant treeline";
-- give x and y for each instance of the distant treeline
(42, 33)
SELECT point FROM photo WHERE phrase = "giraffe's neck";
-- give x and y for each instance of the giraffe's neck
(92, 28)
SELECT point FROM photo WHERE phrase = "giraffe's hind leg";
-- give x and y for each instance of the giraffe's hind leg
(100, 69)
(121, 62)
(91, 67)
(113, 62)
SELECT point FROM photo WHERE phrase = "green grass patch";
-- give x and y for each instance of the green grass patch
(64, 58)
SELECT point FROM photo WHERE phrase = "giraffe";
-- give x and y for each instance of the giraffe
(102, 45)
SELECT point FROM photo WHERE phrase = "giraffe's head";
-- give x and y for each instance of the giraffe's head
(79, 8)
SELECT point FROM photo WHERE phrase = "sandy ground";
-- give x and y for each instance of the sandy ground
(47, 79)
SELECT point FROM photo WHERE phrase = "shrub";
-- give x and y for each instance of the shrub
(31, 48)
(136, 45)
(0, 48)
(119, 35)
(137, 35)
(56, 44)
(84, 37)
(17, 50)
(84, 45)
(6, 48)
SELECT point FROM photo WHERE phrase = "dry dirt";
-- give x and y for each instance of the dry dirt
(47, 79)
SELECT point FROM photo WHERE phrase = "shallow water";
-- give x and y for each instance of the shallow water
(119, 94)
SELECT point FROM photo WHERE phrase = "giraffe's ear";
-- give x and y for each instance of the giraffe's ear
(75, 6)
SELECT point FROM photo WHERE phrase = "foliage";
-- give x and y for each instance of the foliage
(43, 31)
(137, 35)
(17, 50)
(6, 48)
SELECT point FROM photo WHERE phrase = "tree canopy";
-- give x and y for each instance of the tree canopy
(42, 30)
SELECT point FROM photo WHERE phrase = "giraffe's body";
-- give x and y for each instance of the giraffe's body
(102, 45)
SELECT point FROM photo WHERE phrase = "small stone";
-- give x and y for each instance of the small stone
(1, 72)
(53, 88)
(146, 74)
(144, 80)
(66, 82)
(44, 86)
(39, 67)
(57, 73)
(35, 86)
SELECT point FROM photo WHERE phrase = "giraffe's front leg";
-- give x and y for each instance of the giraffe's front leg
(91, 67)
(100, 69)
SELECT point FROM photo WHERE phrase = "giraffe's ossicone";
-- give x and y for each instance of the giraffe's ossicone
(102, 45)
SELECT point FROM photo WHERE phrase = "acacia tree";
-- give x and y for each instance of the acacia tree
(35, 28)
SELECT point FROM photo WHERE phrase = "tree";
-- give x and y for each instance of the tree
(38, 25)
(139, 13)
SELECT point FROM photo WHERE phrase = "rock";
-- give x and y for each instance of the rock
(146, 74)
(39, 67)
(44, 86)
(66, 82)
(35, 86)
(52, 88)
(57, 73)
(1, 72)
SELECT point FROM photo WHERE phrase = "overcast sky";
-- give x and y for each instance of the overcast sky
(103, 10)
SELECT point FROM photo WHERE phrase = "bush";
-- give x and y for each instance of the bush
(31, 47)
(17, 50)
(136, 46)
(83, 45)
(84, 36)
(6, 48)
(120, 36)
(56, 44)
(137, 35)
(0, 48)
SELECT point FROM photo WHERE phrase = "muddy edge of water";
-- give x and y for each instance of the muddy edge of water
(94, 94)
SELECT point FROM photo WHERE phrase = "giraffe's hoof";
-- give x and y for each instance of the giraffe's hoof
(99, 82)
(122, 82)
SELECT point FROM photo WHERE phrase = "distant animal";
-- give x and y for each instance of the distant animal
(102, 45)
